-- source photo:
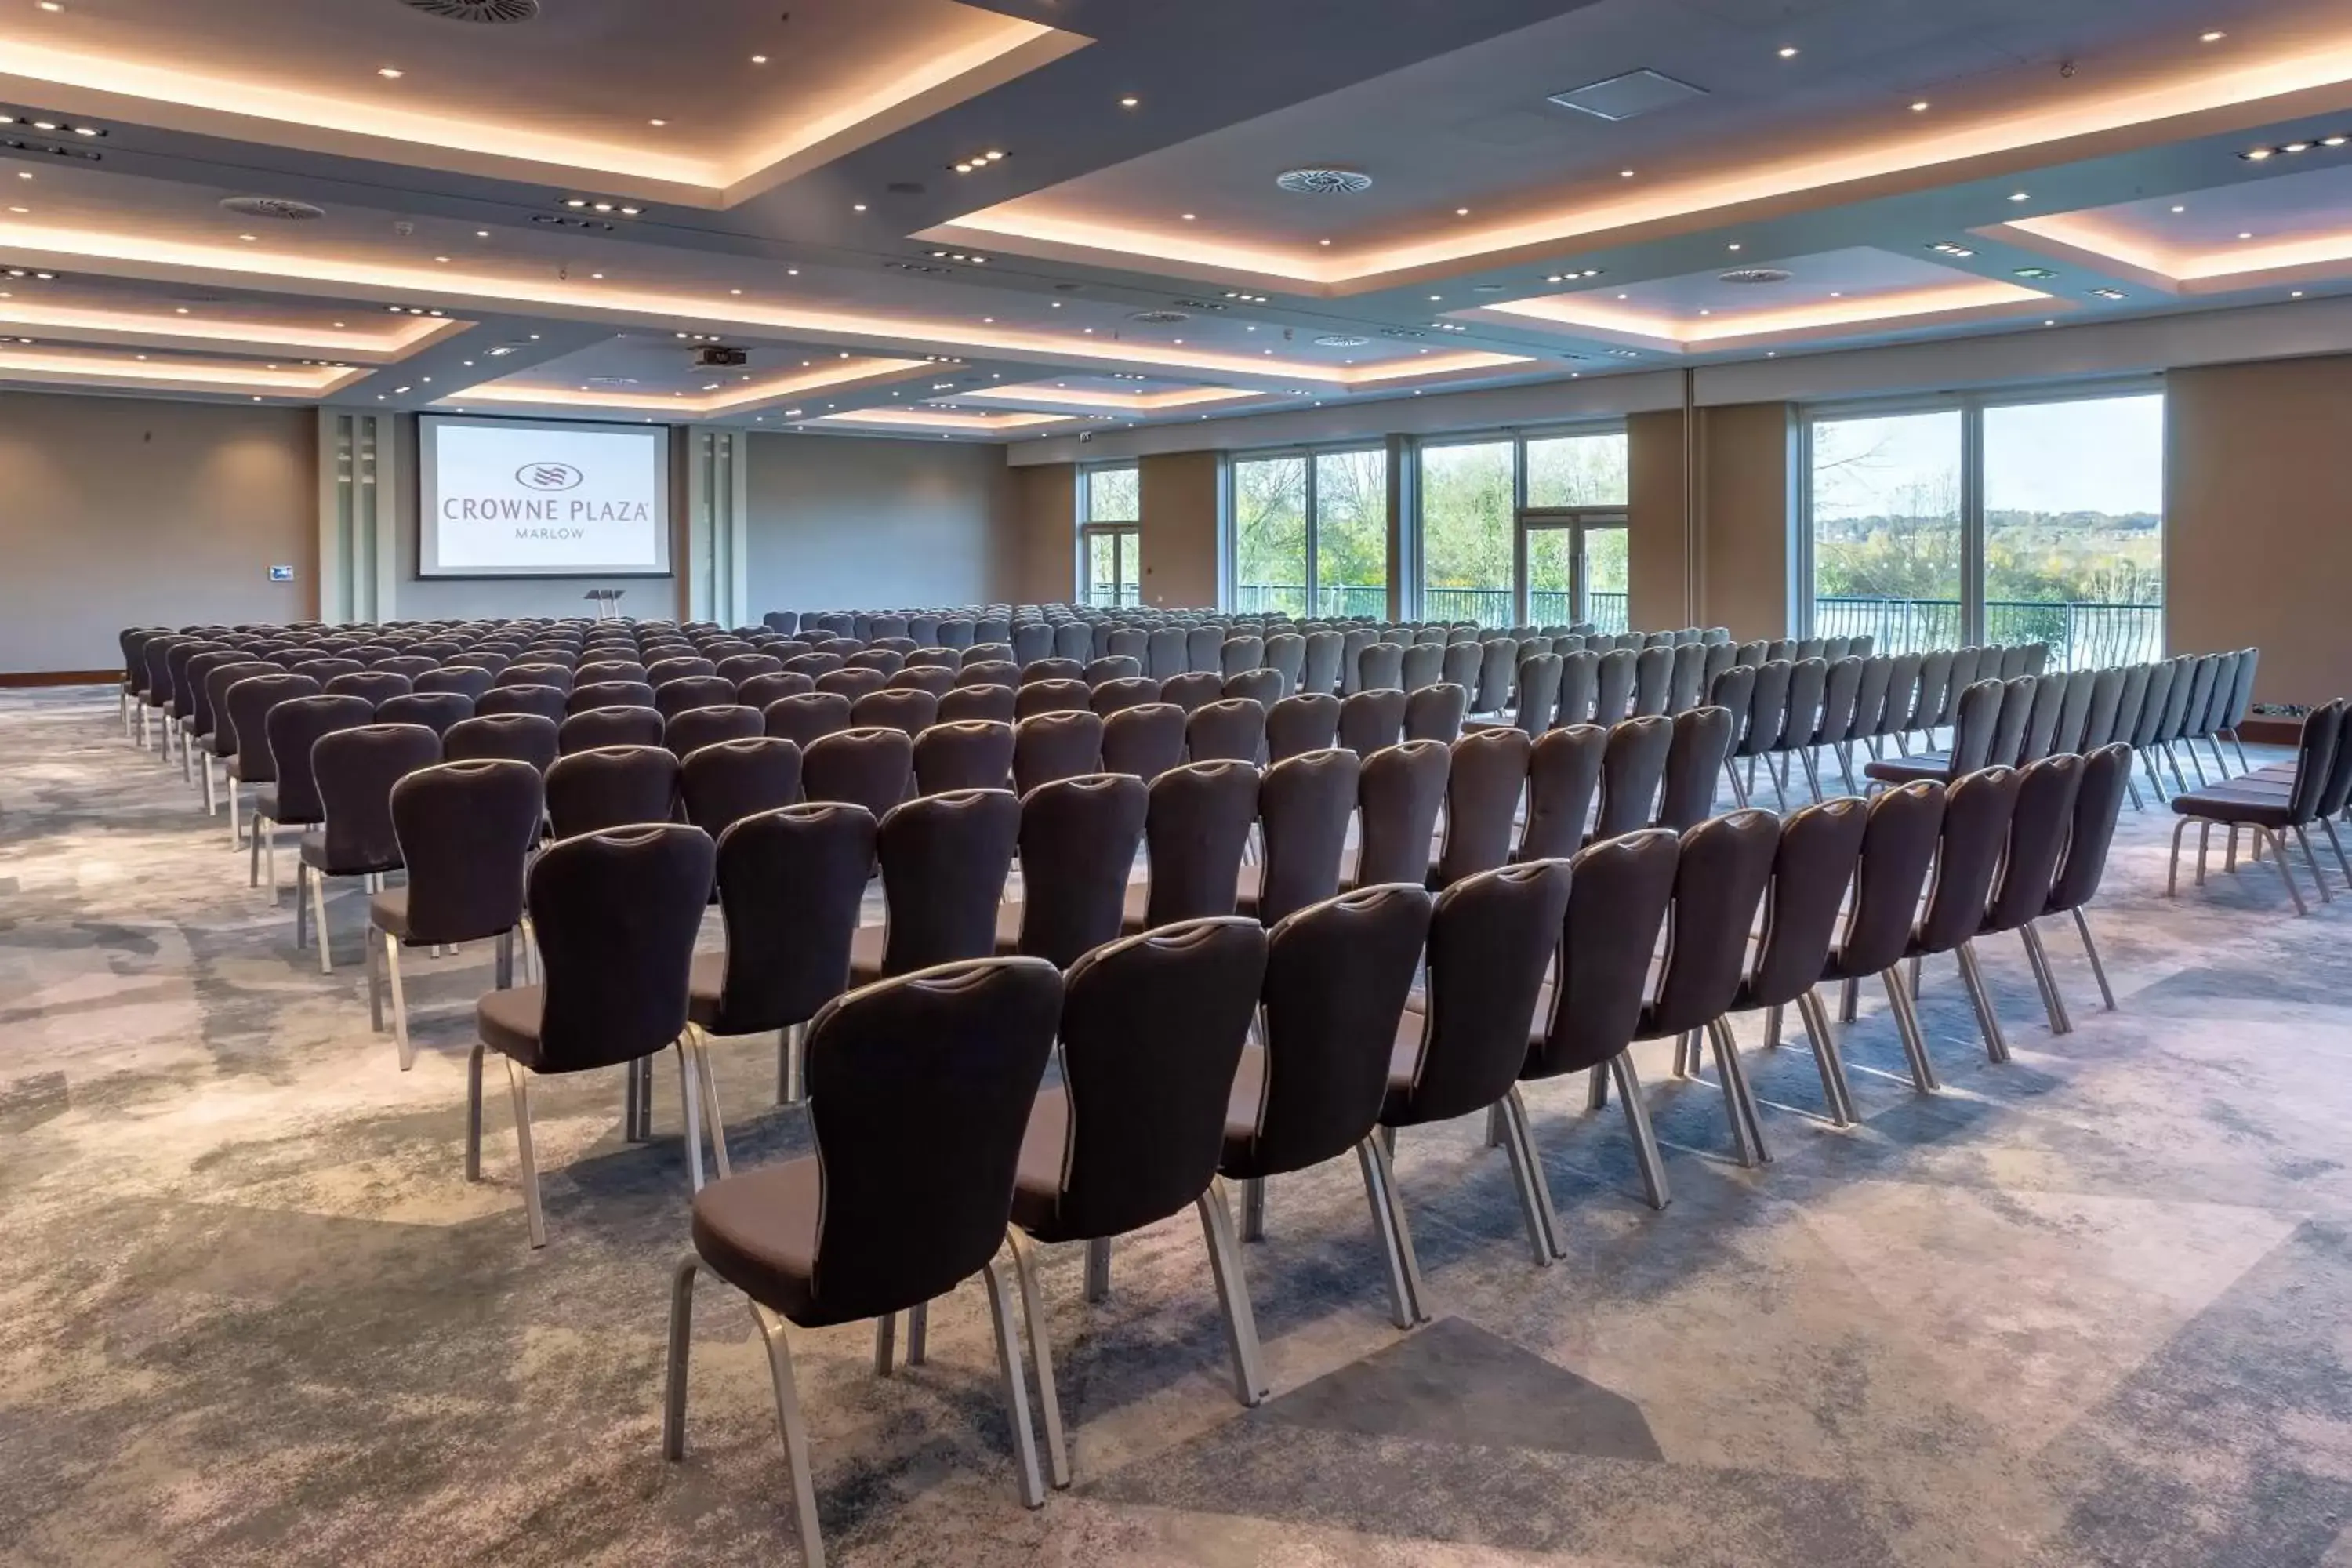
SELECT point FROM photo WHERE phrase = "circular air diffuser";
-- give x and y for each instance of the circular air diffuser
(1324, 181)
(1340, 341)
(1753, 275)
(477, 10)
(280, 207)
(1160, 318)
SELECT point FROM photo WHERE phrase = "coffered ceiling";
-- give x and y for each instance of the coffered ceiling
(1027, 218)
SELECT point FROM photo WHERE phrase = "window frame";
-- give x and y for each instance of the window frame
(1086, 528)
(1574, 518)
(1971, 405)
(1311, 504)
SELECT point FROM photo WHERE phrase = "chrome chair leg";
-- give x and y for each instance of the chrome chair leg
(919, 1333)
(474, 1112)
(1041, 1352)
(1849, 1001)
(2052, 1003)
(713, 1126)
(1915, 1039)
(2328, 826)
(1371, 1160)
(319, 920)
(2303, 837)
(2278, 848)
(788, 1418)
(1747, 1135)
(790, 1047)
(2172, 869)
(1016, 1387)
(371, 957)
(503, 963)
(519, 1091)
(253, 854)
(1254, 1207)
(1972, 976)
(886, 1344)
(690, 1101)
(399, 1001)
(302, 905)
(681, 1344)
(1834, 1087)
(1543, 1220)
(1097, 1287)
(1596, 1088)
(2091, 950)
(1637, 1124)
(1250, 1383)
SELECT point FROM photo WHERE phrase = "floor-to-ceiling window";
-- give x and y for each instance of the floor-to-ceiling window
(1572, 516)
(1310, 532)
(1991, 519)
(1469, 506)
(1111, 508)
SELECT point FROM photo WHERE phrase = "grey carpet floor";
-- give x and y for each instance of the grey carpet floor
(2094, 1306)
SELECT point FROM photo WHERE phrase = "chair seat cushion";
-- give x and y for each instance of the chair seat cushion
(865, 954)
(2264, 808)
(314, 855)
(507, 1022)
(757, 1232)
(1241, 1110)
(1044, 1149)
(1008, 927)
(1934, 766)
(705, 983)
(388, 910)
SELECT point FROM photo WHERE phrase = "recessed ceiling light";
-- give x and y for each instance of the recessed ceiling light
(857, 206)
(181, 310)
(20, 209)
(2255, 155)
(23, 173)
(2049, 323)
(1128, 102)
(1919, 106)
(1735, 245)
(441, 259)
(2020, 196)
(2296, 294)
(1188, 218)
(2245, 236)
(2180, 209)
(248, 237)
(2106, 293)
(481, 234)
(51, 5)
(1435, 298)
(2212, 38)
(1460, 212)
(390, 73)
(1787, 51)
(1624, 173)
(1322, 242)
(658, 122)
(759, 59)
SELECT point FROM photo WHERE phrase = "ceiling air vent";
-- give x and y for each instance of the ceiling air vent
(1341, 341)
(477, 10)
(1752, 275)
(1195, 305)
(1324, 181)
(279, 207)
(1160, 318)
(1402, 333)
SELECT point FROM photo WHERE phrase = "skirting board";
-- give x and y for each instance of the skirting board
(61, 678)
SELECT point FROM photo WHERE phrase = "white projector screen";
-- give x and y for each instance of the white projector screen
(513, 498)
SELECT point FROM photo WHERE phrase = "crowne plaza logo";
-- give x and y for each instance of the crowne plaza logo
(550, 477)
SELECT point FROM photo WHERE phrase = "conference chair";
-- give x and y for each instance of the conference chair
(616, 914)
(1486, 773)
(970, 754)
(944, 859)
(1230, 729)
(1696, 753)
(547, 701)
(1370, 720)
(1979, 811)
(611, 786)
(1078, 838)
(606, 727)
(807, 718)
(1399, 790)
(293, 728)
(1195, 827)
(996, 704)
(872, 768)
(1305, 721)
(1563, 779)
(356, 770)
(2266, 810)
(1060, 744)
(247, 705)
(723, 782)
(1633, 773)
(1304, 808)
(464, 830)
(1721, 878)
(1193, 688)
(1819, 847)
(1051, 696)
(591, 694)
(1436, 712)
(2040, 826)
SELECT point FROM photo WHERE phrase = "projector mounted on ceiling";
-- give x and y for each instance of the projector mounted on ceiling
(718, 356)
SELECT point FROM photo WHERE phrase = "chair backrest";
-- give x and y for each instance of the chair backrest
(1204, 649)
(1491, 937)
(934, 679)
(611, 786)
(2098, 798)
(615, 913)
(1687, 680)
(2317, 748)
(1074, 640)
(1612, 691)
(2205, 674)
(1194, 688)
(1320, 671)
(1633, 769)
(1057, 744)
(944, 861)
(1978, 810)
(292, 728)
(1436, 712)
(903, 709)
(1820, 846)
(1580, 688)
(787, 957)
(1151, 1031)
(2039, 825)
(1801, 714)
(2336, 792)
(606, 727)
(1399, 792)
(537, 673)
(465, 830)
(1308, 722)
(1423, 664)
(1538, 696)
(1056, 669)
(1619, 892)
(1563, 776)
(1113, 696)
(2050, 694)
(1974, 727)
(1144, 741)
(1733, 691)
(2170, 721)
(724, 782)
(1870, 695)
(2242, 692)
(763, 689)
(1489, 771)
(1078, 838)
(356, 770)
(853, 683)
(1767, 708)
(1195, 827)
(1240, 652)
(591, 694)
(1719, 881)
(1380, 667)
(1370, 720)
(1000, 704)
(687, 733)
(1461, 664)
(1164, 654)
(1931, 689)
(375, 686)
(516, 737)
(1305, 804)
(1653, 674)
(548, 702)
(975, 753)
(249, 702)
(321, 668)
(1499, 664)
(872, 768)
(2130, 703)
(1898, 851)
(1337, 977)
(1694, 764)
(2074, 711)
(1233, 728)
(2149, 726)
(2017, 699)
(920, 1093)
(1263, 687)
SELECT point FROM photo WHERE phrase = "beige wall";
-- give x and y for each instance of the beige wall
(1180, 505)
(1746, 513)
(1042, 551)
(133, 511)
(2258, 519)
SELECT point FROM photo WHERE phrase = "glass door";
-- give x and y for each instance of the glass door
(1574, 568)
(1114, 580)
(1602, 578)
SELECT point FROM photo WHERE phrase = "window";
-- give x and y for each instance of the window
(1468, 504)
(1311, 533)
(1992, 521)
(1573, 519)
(1109, 540)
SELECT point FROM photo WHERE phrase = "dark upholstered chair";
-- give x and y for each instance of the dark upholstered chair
(1304, 808)
(1056, 745)
(726, 781)
(611, 786)
(1436, 712)
(465, 830)
(1308, 722)
(1117, 695)
(1078, 840)
(681, 667)
(459, 681)
(1491, 937)
(248, 703)
(995, 704)
(687, 733)
(1720, 883)
(762, 690)
(293, 728)
(548, 702)
(806, 718)
(1696, 755)
(786, 957)
(439, 711)
(945, 858)
(520, 737)
(1619, 893)
(356, 770)
(910, 711)
(1633, 771)
(608, 727)
(694, 691)
(608, 694)
(1978, 810)
(1898, 852)
(1370, 720)
(1399, 790)
(537, 673)
(1145, 741)
(1563, 779)
(872, 768)
(2105, 773)
(1051, 696)
(375, 686)
(1821, 847)
(1193, 688)
(2265, 808)
(1152, 1030)
(1490, 772)
(971, 754)
(1230, 729)
(615, 913)
(1195, 827)
(1312, 1089)
(921, 1090)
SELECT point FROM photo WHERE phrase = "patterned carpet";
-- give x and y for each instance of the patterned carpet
(2094, 1306)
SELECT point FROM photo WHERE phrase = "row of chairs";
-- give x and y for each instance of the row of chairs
(2312, 790)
